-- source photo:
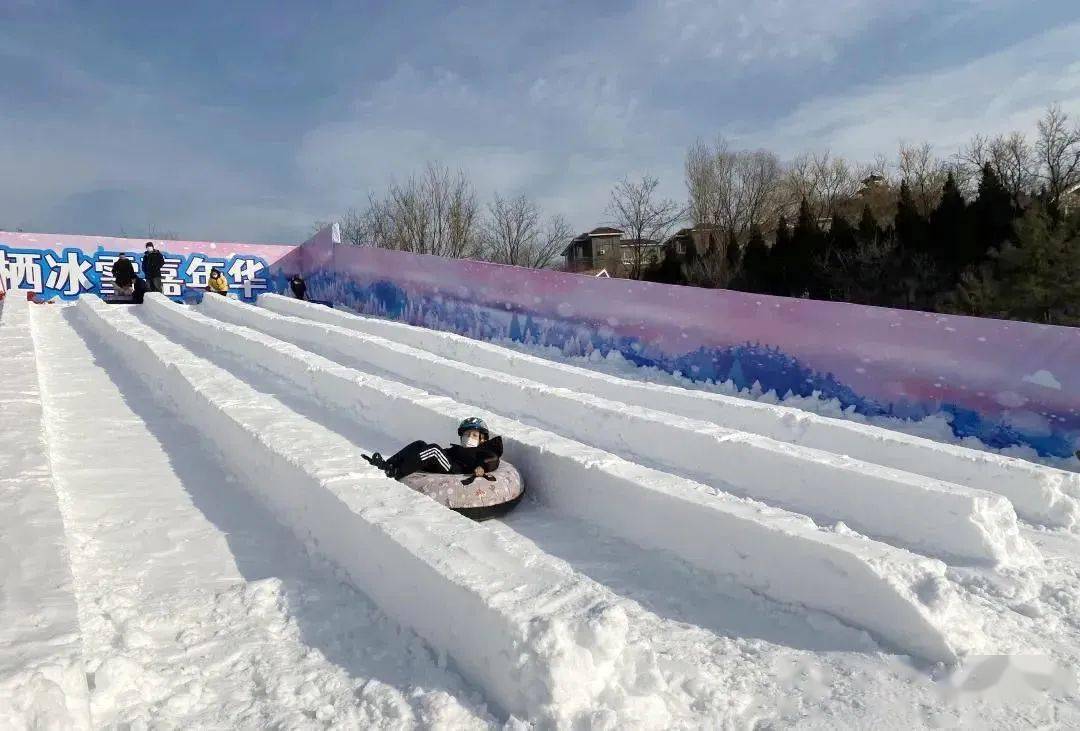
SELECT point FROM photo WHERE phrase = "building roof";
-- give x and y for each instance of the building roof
(600, 231)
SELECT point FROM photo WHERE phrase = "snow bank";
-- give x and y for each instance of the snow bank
(42, 683)
(899, 597)
(927, 515)
(1039, 494)
(540, 642)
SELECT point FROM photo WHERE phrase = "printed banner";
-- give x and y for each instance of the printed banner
(69, 266)
(1005, 383)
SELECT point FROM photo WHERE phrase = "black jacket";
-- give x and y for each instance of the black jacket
(466, 459)
(152, 262)
(299, 288)
(455, 459)
(123, 272)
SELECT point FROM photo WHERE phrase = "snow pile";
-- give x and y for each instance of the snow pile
(42, 683)
(929, 516)
(896, 595)
(1039, 494)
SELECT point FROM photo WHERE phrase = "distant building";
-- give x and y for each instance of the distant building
(1070, 199)
(593, 250)
(873, 182)
(607, 248)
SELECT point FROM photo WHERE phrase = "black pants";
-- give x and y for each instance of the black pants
(420, 457)
(153, 284)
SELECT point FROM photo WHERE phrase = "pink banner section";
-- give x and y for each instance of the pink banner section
(1007, 383)
(67, 266)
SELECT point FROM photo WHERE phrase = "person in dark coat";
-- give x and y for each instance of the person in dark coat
(152, 262)
(123, 272)
(477, 454)
(138, 290)
(299, 287)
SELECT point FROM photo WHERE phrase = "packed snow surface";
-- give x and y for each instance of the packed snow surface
(189, 537)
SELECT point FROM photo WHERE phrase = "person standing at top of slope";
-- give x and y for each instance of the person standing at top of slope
(217, 283)
(152, 262)
(477, 454)
(123, 272)
(298, 287)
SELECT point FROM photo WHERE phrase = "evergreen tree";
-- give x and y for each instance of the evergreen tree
(950, 232)
(835, 263)
(993, 213)
(756, 274)
(809, 246)
(515, 329)
(909, 225)
(1037, 278)
(842, 236)
(776, 281)
(916, 267)
(869, 232)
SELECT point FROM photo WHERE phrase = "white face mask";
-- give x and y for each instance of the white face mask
(470, 438)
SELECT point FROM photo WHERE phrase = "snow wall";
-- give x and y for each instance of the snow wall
(1006, 383)
(67, 266)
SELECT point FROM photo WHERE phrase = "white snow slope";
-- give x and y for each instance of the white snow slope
(189, 537)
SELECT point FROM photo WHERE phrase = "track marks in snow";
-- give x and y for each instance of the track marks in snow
(196, 605)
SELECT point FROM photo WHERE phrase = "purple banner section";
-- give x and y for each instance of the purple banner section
(1006, 383)
(67, 266)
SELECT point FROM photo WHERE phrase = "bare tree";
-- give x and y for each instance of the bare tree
(824, 181)
(701, 182)
(1058, 148)
(152, 232)
(925, 174)
(645, 220)
(435, 212)
(515, 232)
(353, 228)
(731, 189)
(1011, 157)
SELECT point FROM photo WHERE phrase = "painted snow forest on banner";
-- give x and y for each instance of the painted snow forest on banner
(746, 365)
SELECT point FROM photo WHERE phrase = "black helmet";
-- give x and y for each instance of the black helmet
(474, 422)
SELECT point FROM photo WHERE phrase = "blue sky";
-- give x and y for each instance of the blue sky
(251, 120)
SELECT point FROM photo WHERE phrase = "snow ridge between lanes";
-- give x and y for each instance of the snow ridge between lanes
(917, 512)
(902, 598)
(42, 681)
(1040, 494)
(541, 642)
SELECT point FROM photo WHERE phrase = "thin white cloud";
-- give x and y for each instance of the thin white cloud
(999, 92)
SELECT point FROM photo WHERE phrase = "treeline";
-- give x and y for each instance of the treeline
(987, 257)
(438, 212)
(993, 230)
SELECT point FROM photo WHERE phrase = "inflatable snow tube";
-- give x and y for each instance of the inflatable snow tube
(480, 499)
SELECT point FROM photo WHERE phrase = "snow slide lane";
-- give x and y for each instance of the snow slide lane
(198, 608)
(541, 641)
(1042, 495)
(913, 511)
(897, 596)
(42, 680)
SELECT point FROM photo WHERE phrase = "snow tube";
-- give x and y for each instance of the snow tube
(480, 499)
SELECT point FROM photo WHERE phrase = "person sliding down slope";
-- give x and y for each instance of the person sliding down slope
(477, 454)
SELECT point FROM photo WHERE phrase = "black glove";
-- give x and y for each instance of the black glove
(472, 479)
(376, 460)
